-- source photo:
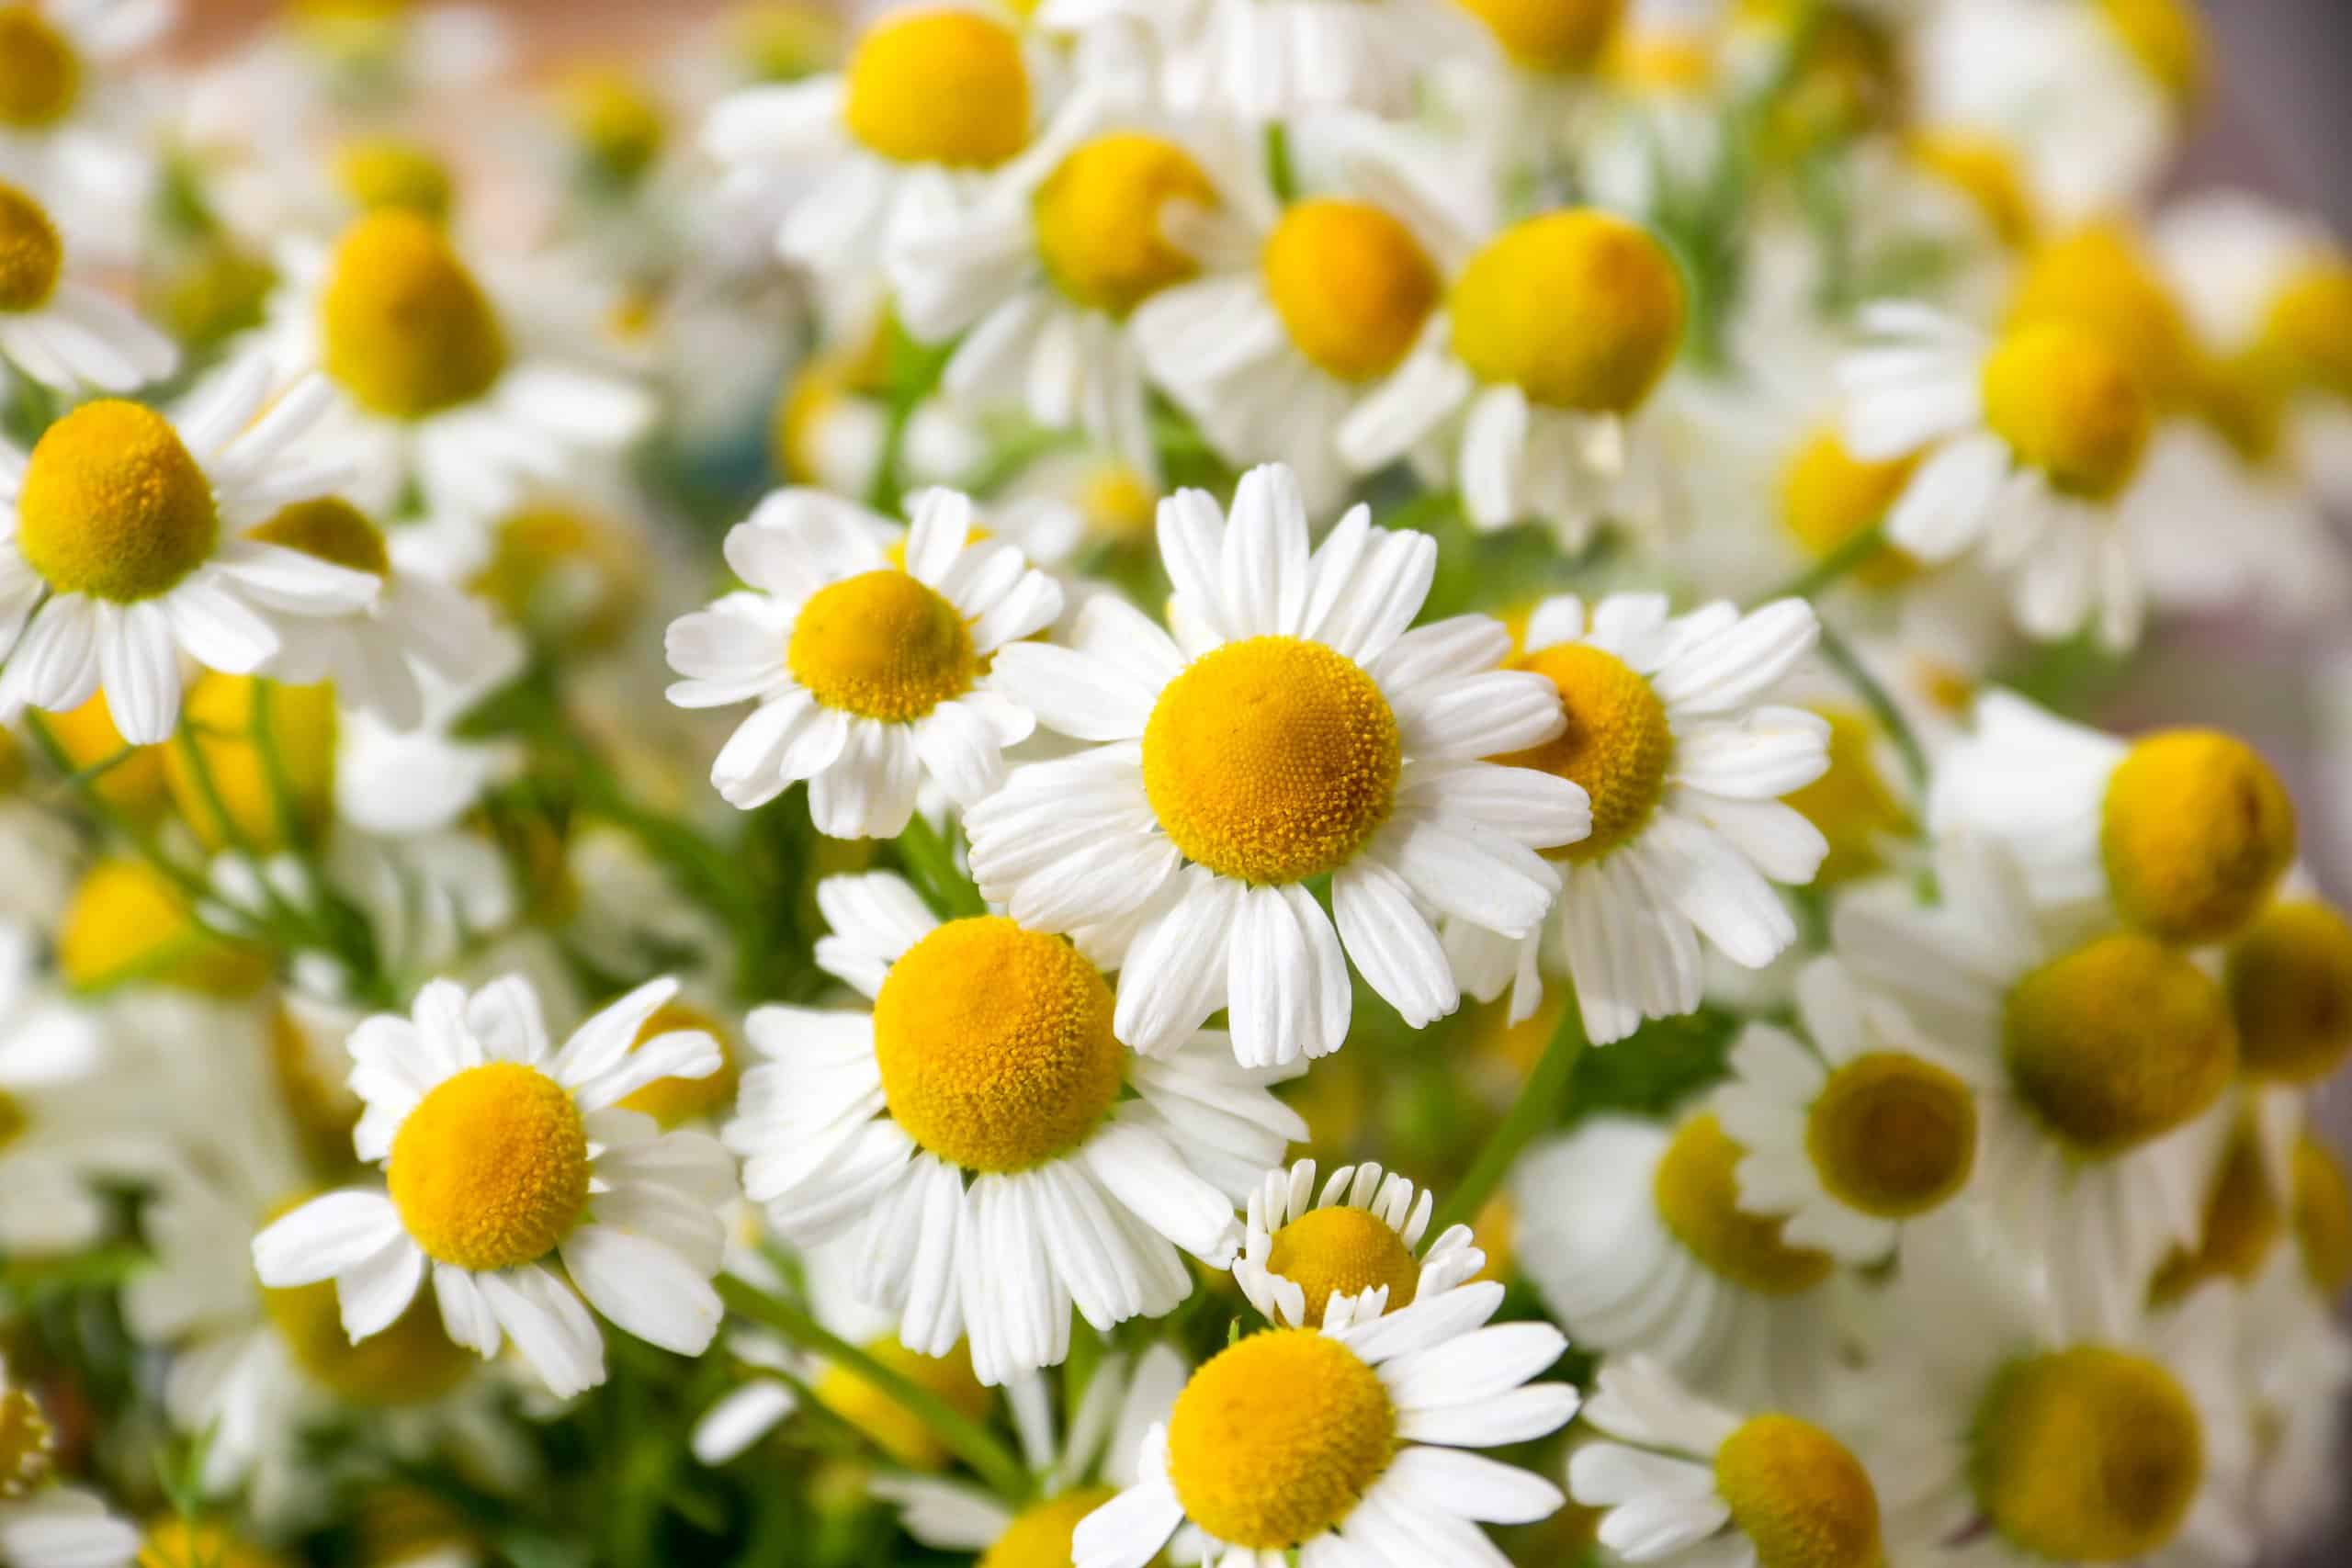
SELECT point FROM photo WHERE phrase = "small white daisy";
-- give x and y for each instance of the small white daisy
(1359, 1239)
(44, 1524)
(57, 327)
(869, 673)
(71, 128)
(502, 1154)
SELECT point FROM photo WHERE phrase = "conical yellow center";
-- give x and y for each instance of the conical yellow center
(2195, 830)
(2308, 331)
(895, 1429)
(1828, 495)
(28, 1444)
(995, 1046)
(2099, 279)
(2088, 1455)
(112, 505)
(243, 777)
(132, 781)
(1557, 36)
(945, 86)
(1101, 220)
(2167, 40)
(412, 1362)
(619, 125)
(1352, 286)
(31, 254)
(186, 1543)
(1697, 1193)
(1852, 804)
(2068, 406)
(1341, 1251)
(1801, 1499)
(127, 922)
(675, 1101)
(2244, 1216)
(331, 530)
(404, 326)
(394, 171)
(2323, 1217)
(1276, 1438)
(491, 1170)
(1617, 744)
(1892, 1135)
(1578, 309)
(2117, 1042)
(1272, 760)
(882, 644)
(2289, 980)
(1040, 1535)
(41, 71)
(1983, 169)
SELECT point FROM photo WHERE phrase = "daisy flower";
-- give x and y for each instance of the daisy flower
(45, 1524)
(502, 1154)
(55, 326)
(125, 549)
(69, 131)
(1360, 1239)
(1344, 1445)
(1665, 732)
(998, 1156)
(1854, 1129)
(2289, 975)
(868, 670)
(1291, 728)
(1536, 409)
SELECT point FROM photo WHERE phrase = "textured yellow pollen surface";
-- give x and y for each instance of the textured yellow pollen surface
(1101, 219)
(491, 1170)
(1352, 284)
(404, 326)
(1798, 1496)
(882, 644)
(1578, 309)
(113, 505)
(2069, 406)
(946, 87)
(1617, 744)
(2088, 1455)
(2196, 831)
(1698, 1197)
(1277, 1438)
(1892, 1135)
(1340, 1250)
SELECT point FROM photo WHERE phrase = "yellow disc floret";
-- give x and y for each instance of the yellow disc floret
(1557, 36)
(1697, 1190)
(248, 768)
(2307, 332)
(2289, 980)
(1272, 760)
(393, 172)
(1801, 1499)
(619, 125)
(1828, 496)
(1352, 284)
(412, 1362)
(41, 71)
(2069, 406)
(1340, 1250)
(1852, 804)
(31, 254)
(132, 776)
(28, 1444)
(329, 529)
(128, 921)
(1275, 1439)
(2195, 831)
(895, 1429)
(943, 86)
(1039, 1537)
(995, 1046)
(2119, 1041)
(1578, 309)
(673, 1100)
(2244, 1216)
(1617, 745)
(1101, 220)
(1985, 172)
(2322, 1215)
(1892, 1135)
(112, 504)
(402, 325)
(2088, 1455)
(2099, 279)
(491, 1170)
(882, 644)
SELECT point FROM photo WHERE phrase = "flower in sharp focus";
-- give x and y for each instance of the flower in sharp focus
(1358, 1242)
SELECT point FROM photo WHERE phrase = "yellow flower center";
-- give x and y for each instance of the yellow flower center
(1984, 171)
(2244, 1218)
(675, 1101)
(1340, 1251)
(28, 1444)
(2069, 406)
(619, 125)
(412, 1362)
(2099, 279)
(1351, 284)
(1828, 495)
(2289, 980)
(2088, 1455)
(2167, 40)
(1618, 745)
(236, 782)
(2309, 327)
(895, 1429)
(1798, 1495)
(1271, 760)
(1276, 1438)
(1892, 1135)
(1852, 804)
(1119, 505)
(112, 505)
(132, 781)
(491, 1170)
(571, 577)
(1101, 219)
(1698, 1197)
(946, 87)
(393, 172)
(404, 326)
(126, 921)
(2323, 1217)
(2117, 1042)
(31, 254)
(2195, 830)
(186, 1543)
(1559, 37)
(882, 644)
(995, 1046)
(331, 530)
(1039, 1537)
(41, 71)
(1578, 309)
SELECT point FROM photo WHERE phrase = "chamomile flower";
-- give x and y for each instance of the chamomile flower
(998, 1156)
(1666, 731)
(868, 672)
(55, 326)
(1344, 1445)
(1360, 1239)
(44, 1524)
(501, 1154)
(1291, 728)
(69, 132)
(2289, 975)
(1537, 408)
(125, 549)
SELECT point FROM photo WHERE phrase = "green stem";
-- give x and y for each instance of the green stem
(1851, 552)
(1843, 658)
(931, 865)
(1539, 1102)
(83, 783)
(1281, 174)
(971, 1442)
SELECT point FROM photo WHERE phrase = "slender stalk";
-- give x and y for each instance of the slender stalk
(1843, 658)
(1539, 1102)
(1851, 552)
(1282, 176)
(931, 862)
(83, 784)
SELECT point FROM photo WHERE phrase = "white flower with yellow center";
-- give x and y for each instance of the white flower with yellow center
(125, 549)
(502, 1155)
(2289, 975)
(70, 131)
(1345, 1445)
(1359, 1240)
(934, 97)
(871, 673)
(1636, 1237)
(1665, 732)
(998, 1156)
(1687, 1484)
(1858, 1127)
(44, 1524)
(1291, 728)
(57, 328)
